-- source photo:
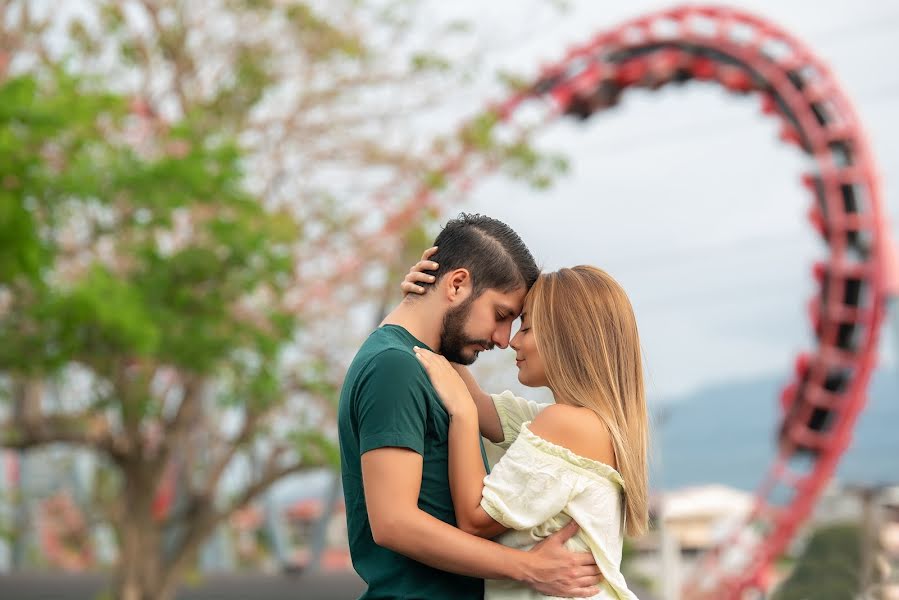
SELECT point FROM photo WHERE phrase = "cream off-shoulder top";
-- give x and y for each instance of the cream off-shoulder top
(537, 487)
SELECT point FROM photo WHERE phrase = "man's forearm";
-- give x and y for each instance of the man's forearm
(429, 540)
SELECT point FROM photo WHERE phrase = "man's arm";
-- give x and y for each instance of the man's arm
(488, 419)
(392, 480)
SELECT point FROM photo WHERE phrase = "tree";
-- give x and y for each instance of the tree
(180, 233)
(829, 567)
(164, 319)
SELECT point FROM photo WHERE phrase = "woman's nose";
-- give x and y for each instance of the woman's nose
(514, 341)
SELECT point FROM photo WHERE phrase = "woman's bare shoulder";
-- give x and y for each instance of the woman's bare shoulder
(576, 428)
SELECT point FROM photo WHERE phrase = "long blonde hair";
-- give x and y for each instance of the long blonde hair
(586, 335)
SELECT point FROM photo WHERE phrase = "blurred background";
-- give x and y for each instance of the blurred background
(206, 206)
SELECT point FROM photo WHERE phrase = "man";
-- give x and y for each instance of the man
(393, 433)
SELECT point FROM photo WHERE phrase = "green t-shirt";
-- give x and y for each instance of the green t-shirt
(387, 400)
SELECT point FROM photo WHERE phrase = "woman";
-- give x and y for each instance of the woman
(582, 458)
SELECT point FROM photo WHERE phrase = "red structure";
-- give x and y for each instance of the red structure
(747, 55)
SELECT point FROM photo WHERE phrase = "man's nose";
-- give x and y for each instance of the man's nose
(501, 337)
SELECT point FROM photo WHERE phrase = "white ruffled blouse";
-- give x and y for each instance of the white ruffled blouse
(537, 487)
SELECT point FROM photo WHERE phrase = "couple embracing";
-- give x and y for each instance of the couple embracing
(426, 520)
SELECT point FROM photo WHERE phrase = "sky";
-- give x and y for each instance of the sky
(686, 196)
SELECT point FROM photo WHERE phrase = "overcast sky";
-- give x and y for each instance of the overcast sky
(685, 195)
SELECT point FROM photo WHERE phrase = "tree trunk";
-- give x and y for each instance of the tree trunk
(27, 395)
(146, 571)
(139, 570)
(141, 573)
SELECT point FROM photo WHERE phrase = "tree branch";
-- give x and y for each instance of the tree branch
(204, 519)
(269, 477)
(88, 430)
(218, 469)
(188, 411)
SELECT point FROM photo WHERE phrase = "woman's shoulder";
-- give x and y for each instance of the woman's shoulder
(576, 428)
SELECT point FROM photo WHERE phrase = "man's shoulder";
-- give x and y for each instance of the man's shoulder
(392, 358)
(381, 348)
(386, 365)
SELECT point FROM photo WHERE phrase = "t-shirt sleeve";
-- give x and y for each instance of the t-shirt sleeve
(513, 412)
(391, 404)
(528, 486)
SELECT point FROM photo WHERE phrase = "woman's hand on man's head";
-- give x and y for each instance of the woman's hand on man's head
(419, 273)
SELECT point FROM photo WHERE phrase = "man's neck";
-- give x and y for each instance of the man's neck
(418, 318)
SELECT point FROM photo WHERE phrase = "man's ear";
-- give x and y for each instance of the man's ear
(457, 285)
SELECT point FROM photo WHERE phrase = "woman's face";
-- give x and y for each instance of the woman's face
(530, 366)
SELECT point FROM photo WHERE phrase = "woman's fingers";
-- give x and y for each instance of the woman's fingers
(424, 265)
(434, 364)
(424, 355)
(414, 276)
(417, 274)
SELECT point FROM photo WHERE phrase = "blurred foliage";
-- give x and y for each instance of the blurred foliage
(46, 137)
(629, 555)
(140, 300)
(829, 567)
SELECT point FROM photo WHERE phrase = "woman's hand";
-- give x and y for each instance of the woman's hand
(419, 272)
(449, 385)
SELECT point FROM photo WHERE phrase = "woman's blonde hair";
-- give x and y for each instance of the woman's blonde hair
(586, 334)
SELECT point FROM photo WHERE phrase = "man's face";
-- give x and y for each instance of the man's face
(480, 324)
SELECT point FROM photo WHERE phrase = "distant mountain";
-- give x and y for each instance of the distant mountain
(725, 433)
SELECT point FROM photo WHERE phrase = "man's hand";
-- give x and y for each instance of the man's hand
(557, 571)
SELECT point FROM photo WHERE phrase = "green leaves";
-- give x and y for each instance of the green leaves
(48, 130)
(829, 568)
(324, 41)
(149, 289)
(104, 315)
(430, 61)
(479, 132)
(518, 158)
(524, 162)
(17, 230)
(316, 448)
(97, 322)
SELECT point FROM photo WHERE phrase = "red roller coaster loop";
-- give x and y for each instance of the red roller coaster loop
(745, 54)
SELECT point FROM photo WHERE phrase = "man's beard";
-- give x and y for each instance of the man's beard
(453, 340)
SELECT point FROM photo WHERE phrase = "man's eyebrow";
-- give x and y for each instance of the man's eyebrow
(506, 309)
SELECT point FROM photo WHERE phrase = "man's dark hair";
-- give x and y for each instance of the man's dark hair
(494, 255)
